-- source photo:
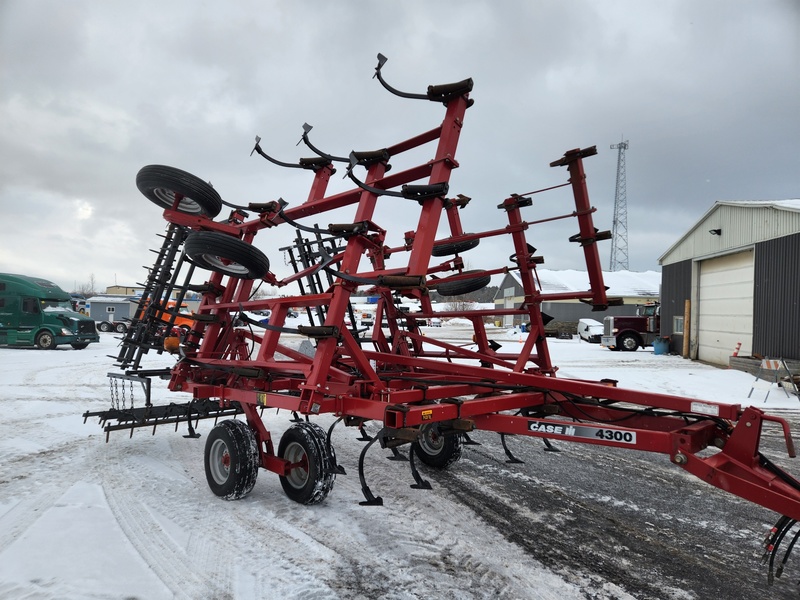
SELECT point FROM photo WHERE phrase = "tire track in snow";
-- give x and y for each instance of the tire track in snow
(594, 525)
(18, 519)
(168, 559)
(417, 545)
(21, 477)
(228, 549)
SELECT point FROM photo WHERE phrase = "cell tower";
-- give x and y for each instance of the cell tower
(619, 229)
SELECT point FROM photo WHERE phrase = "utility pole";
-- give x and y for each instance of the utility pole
(619, 229)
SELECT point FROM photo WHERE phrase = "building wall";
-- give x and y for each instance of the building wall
(772, 233)
(124, 291)
(776, 314)
(676, 289)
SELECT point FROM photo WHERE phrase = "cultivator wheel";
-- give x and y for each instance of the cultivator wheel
(435, 448)
(457, 247)
(227, 255)
(476, 280)
(171, 188)
(312, 463)
(231, 459)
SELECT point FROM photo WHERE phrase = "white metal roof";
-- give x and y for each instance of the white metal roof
(111, 299)
(742, 224)
(644, 284)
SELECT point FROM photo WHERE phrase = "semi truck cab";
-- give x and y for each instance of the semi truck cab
(630, 333)
(36, 312)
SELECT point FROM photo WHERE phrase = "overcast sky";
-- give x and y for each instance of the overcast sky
(707, 93)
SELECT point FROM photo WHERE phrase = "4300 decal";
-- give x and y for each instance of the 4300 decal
(581, 431)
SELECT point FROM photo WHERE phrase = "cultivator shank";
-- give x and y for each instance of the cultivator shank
(422, 389)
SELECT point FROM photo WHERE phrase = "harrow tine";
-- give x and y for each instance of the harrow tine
(192, 435)
(419, 482)
(364, 437)
(371, 500)
(468, 441)
(399, 456)
(336, 466)
(511, 458)
(548, 447)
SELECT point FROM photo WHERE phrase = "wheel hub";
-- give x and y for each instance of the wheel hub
(298, 469)
(220, 462)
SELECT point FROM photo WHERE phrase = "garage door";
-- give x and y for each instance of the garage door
(725, 315)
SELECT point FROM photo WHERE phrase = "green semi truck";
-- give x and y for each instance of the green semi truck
(36, 312)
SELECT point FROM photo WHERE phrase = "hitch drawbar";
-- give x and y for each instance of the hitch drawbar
(316, 349)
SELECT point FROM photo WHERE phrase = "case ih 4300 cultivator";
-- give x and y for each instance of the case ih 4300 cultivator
(423, 391)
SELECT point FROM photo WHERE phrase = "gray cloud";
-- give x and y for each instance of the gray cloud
(91, 92)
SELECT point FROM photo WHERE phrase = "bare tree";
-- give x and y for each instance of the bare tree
(263, 291)
(460, 305)
(88, 289)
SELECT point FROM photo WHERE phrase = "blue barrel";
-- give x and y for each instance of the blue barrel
(661, 345)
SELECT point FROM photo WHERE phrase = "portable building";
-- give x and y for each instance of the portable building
(111, 308)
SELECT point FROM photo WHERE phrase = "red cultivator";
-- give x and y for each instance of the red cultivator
(425, 392)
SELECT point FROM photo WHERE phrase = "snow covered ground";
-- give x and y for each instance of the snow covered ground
(133, 518)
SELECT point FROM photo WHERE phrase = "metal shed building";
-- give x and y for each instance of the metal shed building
(738, 270)
(632, 287)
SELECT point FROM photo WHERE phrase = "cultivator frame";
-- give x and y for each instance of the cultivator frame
(424, 391)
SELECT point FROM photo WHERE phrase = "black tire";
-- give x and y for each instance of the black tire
(628, 342)
(104, 326)
(225, 254)
(311, 480)
(160, 184)
(437, 450)
(464, 286)
(80, 345)
(231, 459)
(45, 340)
(120, 328)
(448, 248)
